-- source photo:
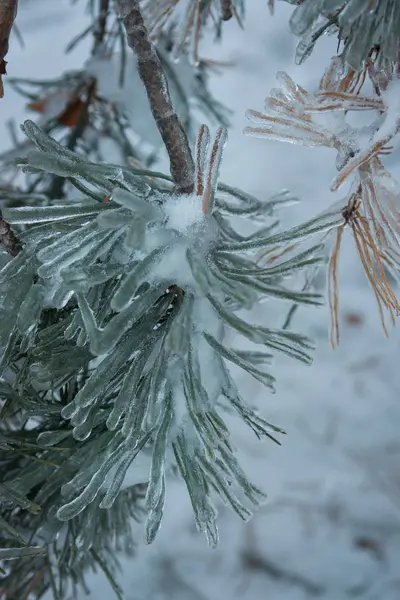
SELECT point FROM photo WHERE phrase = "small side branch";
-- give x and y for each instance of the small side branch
(101, 24)
(8, 238)
(254, 560)
(156, 84)
(226, 10)
(57, 187)
(8, 11)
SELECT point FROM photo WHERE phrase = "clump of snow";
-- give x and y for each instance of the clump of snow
(174, 268)
(184, 227)
(183, 212)
(391, 100)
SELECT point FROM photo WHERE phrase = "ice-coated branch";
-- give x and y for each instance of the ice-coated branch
(155, 82)
(8, 238)
(8, 10)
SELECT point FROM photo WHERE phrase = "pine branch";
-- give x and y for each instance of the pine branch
(155, 82)
(8, 10)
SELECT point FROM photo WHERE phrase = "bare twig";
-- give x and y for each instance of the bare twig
(156, 84)
(253, 560)
(57, 187)
(226, 10)
(8, 10)
(172, 581)
(101, 23)
(8, 238)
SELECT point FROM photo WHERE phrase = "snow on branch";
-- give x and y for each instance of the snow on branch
(8, 238)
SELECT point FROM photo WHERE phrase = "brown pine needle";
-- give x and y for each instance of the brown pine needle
(358, 161)
(212, 167)
(373, 261)
(274, 257)
(366, 262)
(333, 288)
(203, 139)
(381, 279)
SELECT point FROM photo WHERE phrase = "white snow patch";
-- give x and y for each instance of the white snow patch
(391, 99)
(183, 212)
(175, 268)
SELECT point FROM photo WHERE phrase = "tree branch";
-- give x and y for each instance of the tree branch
(56, 189)
(8, 238)
(8, 10)
(101, 23)
(156, 84)
(226, 10)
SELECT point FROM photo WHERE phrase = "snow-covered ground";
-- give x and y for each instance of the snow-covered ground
(331, 526)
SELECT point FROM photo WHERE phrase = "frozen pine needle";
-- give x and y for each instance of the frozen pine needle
(373, 213)
(374, 263)
(375, 230)
(319, 119)
(207, 171)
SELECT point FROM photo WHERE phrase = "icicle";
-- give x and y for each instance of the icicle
(129, 285)
(29, 215)
(304, 16)
(99, 378)
(155, 514)
(76, 506)
(228, 354)
(126, 395)
(116, 484)
(156, 478)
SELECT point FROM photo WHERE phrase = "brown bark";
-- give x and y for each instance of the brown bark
(226, 10)
(101, 23)
(8, 10)
(8, 238)
(156, 84)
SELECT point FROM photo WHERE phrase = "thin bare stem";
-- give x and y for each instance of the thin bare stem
(101, 23)
(333, 289)
(156, 84)
(8, 11)
(203, 139)
(226, 10)
(8, 238)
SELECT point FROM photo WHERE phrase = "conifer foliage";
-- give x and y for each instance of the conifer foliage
(120, 282)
